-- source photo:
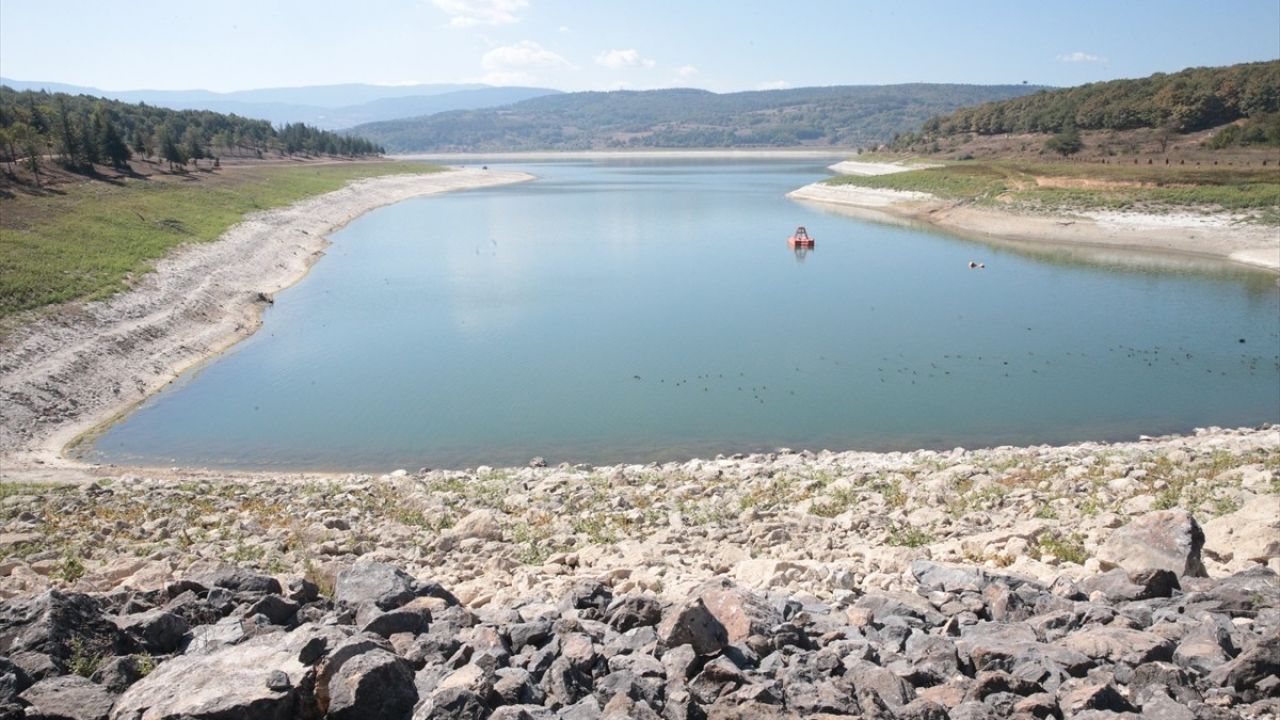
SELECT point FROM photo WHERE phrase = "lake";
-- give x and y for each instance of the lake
(640, 310)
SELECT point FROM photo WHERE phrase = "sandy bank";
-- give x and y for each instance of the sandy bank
(1216, 236)
(69, 371)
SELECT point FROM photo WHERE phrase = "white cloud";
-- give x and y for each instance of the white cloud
(618, 59)
(564, 29)
(469, 13)
(774, 85)
(514, 64)
(687, 71)
(1081, 57)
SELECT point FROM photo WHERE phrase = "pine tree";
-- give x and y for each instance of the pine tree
(110, 144)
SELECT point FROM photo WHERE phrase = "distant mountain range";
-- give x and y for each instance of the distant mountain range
(328, 107)
(842, 116)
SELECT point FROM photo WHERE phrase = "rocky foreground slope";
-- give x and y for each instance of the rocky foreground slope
(1096, 580)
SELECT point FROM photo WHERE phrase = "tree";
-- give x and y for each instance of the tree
(193, 144)
(166, 144)
(68, 141)
(110, 144)
(1065, 143)
(28, 141)
(140, 140)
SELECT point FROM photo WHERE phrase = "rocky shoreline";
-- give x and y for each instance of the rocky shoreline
(1094, 580)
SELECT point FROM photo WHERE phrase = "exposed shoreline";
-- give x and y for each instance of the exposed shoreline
(539, 156)
(70, 372)
(1183, 234)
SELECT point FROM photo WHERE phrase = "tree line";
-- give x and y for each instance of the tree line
(80, 131)
(1182, 102)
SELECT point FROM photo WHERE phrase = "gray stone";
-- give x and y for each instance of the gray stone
(933, 576)
(632, 611)
(69, 697)
(157, 631)
(238, 580)
(1119, 645)
(452, 704)
(1166, 539)
(376, 685)
(691, 623)
(40, 634)
(229, 681)
(369, 583)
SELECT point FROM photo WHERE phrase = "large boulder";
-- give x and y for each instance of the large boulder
(741, 612)
(1162, 540)
(376, 685)
(260, 679)
(44, 633)
(69, 697)
(236, 579)
(1251, 534)
(691, 623)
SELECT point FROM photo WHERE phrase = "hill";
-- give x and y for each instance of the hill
(328, 107)
(79, 132)
(1183, 102)
(841, 116)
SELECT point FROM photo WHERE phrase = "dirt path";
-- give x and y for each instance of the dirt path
(72, 370)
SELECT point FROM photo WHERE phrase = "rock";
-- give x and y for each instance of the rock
(1251, 533)
(371, 583)
(69, 697)
(452, 704)
(1163, 707)
(159, 632)
(1080, 695)
(1252, 666)
(741, 612)
(1118, 585)
(932, 576)
(479, 525)
(278, 609)
(57, 626)
(1166, 539)
(1204, 649)
(230, 681)
(237, 580)
(691, 623)
(1119, 645)
(632, 611)
(376, 685)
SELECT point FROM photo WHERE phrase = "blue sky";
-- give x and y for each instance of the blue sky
(608, 44)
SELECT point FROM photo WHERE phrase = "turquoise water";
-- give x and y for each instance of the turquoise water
(629, 311)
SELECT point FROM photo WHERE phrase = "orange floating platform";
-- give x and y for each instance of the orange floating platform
(800, 238)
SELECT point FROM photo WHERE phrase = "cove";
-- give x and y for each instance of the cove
(641, 310)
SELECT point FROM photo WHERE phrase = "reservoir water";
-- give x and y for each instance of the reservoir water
(638, 310)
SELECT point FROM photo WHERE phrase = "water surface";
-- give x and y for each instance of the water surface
(633, 310)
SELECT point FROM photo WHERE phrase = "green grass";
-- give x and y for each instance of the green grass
(1148, 187)
(88, 241)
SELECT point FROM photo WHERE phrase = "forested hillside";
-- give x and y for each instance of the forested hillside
(80, 131)
(846, 116)
(1186, 101)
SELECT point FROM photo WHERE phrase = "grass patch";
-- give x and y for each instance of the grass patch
(1069, 548)
(906, 535)
(91, 240)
